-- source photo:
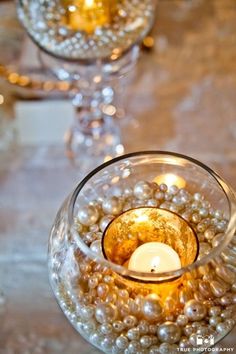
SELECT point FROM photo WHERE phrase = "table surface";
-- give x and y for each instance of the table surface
(182, 96)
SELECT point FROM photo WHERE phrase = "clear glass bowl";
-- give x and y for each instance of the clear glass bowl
(119, 310)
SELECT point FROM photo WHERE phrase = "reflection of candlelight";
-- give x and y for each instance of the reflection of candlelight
(170, 179)
(87, 15)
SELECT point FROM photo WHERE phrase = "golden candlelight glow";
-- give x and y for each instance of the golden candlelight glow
(170, 179)
(136, 227)
(87, 15)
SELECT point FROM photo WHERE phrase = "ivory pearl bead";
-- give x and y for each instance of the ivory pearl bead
(215, 311)
(103, 290)
(118, 326)
(96, 247)
(134, 347)
(122, 342)
(142, 190)
(146, 341)
(182, 320)
(106, 328)
(154, 349)
(217, 288)
(105, 313)
(88, 215)
(112, 205)
(151, 309)
(168, 348)
(214, 321)
(130, 321)
(195, 310)
(169, 332)
(105, 220)
(133, 334)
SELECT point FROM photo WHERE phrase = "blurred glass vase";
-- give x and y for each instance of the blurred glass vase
(91, 43)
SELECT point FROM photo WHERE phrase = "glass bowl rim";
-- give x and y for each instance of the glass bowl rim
(165, 276)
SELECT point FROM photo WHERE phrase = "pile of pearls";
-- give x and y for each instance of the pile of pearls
(117, 320)
(45, 22)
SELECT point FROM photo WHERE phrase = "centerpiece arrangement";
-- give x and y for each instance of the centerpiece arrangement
(142, 255)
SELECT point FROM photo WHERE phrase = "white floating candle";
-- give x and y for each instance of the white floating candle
(154, 257)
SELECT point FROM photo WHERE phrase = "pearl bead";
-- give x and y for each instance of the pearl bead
(102, 290)
(133, 334)
(96, 247)
(128, 192)
(222, 328)
(159, 195)
(182, 320)
(143, 327)
(154, 349)
(105, 313)
(146, 341)
(226, 274)
(188, 330)
(112, 205)
(95, 338)
(130, 321)
(215, 311)
(106, 328)
(122, 342)
(124, 294)
(173, 189)
(86, 312)
(88, 215)
(184, 343)
(168, 348)
(152, 203)
(151, 309)
(133, 347)
(213, 321)
(105, 220)
(195, 310)
(217, 288)
(142, 190)
(169, 332)
(124, 308)
(118, 326)
(226, 299)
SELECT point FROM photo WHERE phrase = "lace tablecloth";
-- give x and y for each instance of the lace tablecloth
(183, 99)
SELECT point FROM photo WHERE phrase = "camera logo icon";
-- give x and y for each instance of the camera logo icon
(205, 340)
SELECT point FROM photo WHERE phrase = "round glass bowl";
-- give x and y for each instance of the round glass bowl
(122, 205)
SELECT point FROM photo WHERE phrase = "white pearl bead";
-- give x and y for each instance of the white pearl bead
(133, 334)
(122, 342)
(213, 321)
(105, 220)
(146, 341)
(96, 247)
(133, 347)
(130, 321)
(88, 215)
(105, 313)
(112, 205)
(215, 311)
(151, 309)
(195, 310)
(168, 348)
(169, 332)
(142, 190)
(118, 326)
(182, 320)
(106, 328)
